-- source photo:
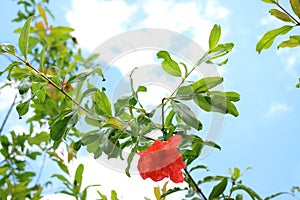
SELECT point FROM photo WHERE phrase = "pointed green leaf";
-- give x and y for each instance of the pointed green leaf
(60, 124)
(169, 65)
(218, 189)
(205, 84)
(78, 175)
(7, 48)
(294, 41)
(42, 13)
(214, 37)
(114, 195)
(270, 1)
(187, 115)
(280, 15)
(23, 108)
(199, 167)
(296, 7)
(130, 158)
(268, 38)
(248, 190)
(102, 104)
(24, 37)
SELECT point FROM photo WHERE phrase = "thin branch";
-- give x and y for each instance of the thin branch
(198, 190)
(52, 83)
(42, 167)
(7, 115)
(286, 12)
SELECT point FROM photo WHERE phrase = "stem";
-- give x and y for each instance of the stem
(198, 190)
(7, 115)
(53, 84)
(286, 12)
(166, 100)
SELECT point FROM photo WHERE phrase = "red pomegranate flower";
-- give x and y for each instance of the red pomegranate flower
(161, 160)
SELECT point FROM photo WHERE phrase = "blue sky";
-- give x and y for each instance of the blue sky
(266, 134)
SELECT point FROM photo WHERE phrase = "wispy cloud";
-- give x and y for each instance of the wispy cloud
(96, 21)
(278, 108)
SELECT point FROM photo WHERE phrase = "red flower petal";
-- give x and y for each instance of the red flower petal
(162, 160)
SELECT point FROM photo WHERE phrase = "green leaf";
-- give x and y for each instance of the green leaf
(214, 37)
(169, 65)
(156, 193)
(199, 167)
(232, 96)
(62, 123)
(130, 158)
(185, 92)
(270, 1)
(81, 76)
(23, 108)
(187, 115)
(62, 178)
(77, 145)
(102, 104)
(294, 41)
(114, 195)
(141, 89)
(275, 195)
(251, 193)
(203, 85)
(40, 91)
(173, 190)
(280, 15)
(42, 13)
(39, 138)
(90, 138)
(296, 7)
(24, 86)
(7, 48)
(24, 37)
(218, 189)
(212, 144)
(78, 175)
(103, 197)
(268, 38)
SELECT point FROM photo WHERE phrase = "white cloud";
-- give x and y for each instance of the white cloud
(127, 188)
(7, 95)
(96, 21)
(278, 108)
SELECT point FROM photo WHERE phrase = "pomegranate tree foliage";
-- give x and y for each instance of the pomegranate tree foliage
(49, 71)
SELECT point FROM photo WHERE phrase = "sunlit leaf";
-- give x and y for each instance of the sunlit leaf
(296, 7)
(23, 108)
(7, 48)
(214, 37)
(102, 104)
(169, 65)
(270, 1)
(42, 13)
(268, 38)
(248, 190)
(24, 37)
(39, 138)
(294, 41)
(218, 189)
(281, 15)
(203, 85)
(78, 175)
